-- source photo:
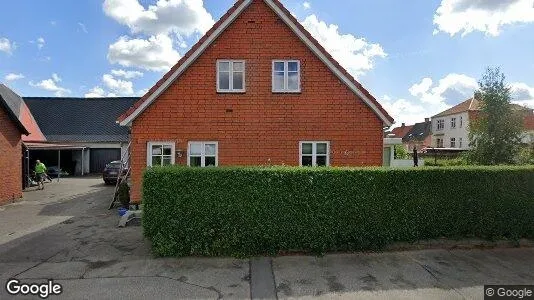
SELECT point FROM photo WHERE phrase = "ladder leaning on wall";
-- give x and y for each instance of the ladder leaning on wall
(123, 174)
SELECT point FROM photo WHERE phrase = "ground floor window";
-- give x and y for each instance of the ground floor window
(160, 153)
(314, 154)
(439, 143)
(203, 154)
(453, 142)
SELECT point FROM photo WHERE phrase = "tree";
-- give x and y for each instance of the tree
(401, 152)
(495, 135)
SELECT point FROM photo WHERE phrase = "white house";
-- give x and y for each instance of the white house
(450, 128)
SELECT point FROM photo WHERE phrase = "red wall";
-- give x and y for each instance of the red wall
(262, 127)
(10, 159)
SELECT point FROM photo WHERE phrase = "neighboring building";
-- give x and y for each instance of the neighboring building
(528, 138)
(450, 128)
(11, 131)
(79, 132)
(419, 136)
(257, 89)
(400, 132)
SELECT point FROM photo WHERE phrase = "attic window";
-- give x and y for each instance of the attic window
(230, 76)
(286, 76)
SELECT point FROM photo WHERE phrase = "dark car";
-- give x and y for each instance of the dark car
(111, 172)
(54, 172)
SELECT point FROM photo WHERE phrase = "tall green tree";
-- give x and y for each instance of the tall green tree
(495, 135)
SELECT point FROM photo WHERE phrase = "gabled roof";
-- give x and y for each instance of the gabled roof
(419, 132)
(80, 119)
(12, 103)
(219, 27)
(472, 104)
(467, 105)
(401, 131)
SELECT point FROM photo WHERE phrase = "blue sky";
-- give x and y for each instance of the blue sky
(416, 57)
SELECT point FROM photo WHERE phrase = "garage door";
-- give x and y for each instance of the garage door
(100, 157)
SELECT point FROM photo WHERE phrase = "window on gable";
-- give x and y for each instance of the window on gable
(314, 154)
(286, 76)
(203, 154)
(231, 76)
(160, 154)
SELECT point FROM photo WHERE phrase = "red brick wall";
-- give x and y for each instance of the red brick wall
(263, 127)
(10, 159)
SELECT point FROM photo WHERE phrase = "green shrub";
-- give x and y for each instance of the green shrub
(257, 211)
(445, 162)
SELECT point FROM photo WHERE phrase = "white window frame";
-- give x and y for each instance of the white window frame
(231, 76)
(286, 76)
(439, 143)
(453, 122)
(314, 152)
(149, 151)
(438, 123)
(453, 142)
(203, 153)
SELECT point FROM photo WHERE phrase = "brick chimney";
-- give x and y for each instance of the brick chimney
(427, 120)
(403, 124)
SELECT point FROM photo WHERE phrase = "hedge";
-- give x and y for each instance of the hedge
(267, 211)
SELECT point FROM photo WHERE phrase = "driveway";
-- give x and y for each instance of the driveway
(67, 234)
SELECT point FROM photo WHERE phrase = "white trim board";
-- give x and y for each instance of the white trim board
(287, 20)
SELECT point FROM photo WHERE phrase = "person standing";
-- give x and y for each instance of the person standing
(415, 157)
(40, 173)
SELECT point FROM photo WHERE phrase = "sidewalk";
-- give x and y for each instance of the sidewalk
(66, 233)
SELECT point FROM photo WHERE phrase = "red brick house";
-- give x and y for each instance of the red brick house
(11, 131)
(257, 89)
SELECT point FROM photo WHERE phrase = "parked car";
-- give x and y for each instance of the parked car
(55, 171)
(111, 172)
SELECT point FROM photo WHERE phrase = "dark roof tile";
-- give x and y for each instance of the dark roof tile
(80, 119)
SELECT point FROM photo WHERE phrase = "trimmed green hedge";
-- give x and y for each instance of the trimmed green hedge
(252, 211)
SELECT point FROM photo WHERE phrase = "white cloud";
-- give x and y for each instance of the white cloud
(410, 112)
(13, 77)
(7, 46)
(142, 92)
(118, 86)
(355, 54)
(96, 92)
(452, 89)
(488, 16)
(155, 54)
(182, 17)
(126, 74)
(306, 5)
(522, 94)
(82, 27)
(56, 77)
(40, 43)
(51, 85)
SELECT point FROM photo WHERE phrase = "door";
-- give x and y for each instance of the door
(387, 156)
(100, 157)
